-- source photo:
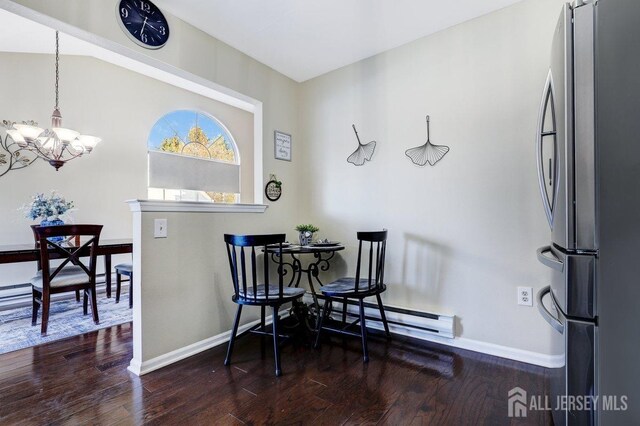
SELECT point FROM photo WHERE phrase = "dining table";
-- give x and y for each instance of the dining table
(321, 252)
(18, 253)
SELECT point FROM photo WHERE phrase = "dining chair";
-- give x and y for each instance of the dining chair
(39, 265)
(70, 274)
(246, 275)
(125, 269)
(368, 282)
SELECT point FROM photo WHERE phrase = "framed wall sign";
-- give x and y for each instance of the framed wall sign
(282, 145)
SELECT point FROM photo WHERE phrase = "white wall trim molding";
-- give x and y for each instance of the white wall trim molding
(445, 335)
(549, 361)
(192, 207)
(140, 368)
(529, 357)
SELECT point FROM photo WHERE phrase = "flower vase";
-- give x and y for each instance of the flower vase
(54, 222)
(305, 238)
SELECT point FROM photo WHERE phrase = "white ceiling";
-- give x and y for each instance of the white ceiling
(299, 38)
(303, 39)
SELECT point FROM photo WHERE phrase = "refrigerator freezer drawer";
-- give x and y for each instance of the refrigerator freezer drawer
(572, 282)
(577, 340)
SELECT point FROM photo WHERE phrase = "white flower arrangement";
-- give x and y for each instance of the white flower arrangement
(43, 207)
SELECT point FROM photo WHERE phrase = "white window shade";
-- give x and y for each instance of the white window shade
(175, 171)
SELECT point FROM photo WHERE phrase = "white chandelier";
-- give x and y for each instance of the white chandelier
(56, 145)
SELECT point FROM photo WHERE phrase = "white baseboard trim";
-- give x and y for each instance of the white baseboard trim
(529, 357)
(446, 333)
(140, 368)
(549, 361)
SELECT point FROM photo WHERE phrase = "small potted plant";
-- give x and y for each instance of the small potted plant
(305, 233)
(48, 210)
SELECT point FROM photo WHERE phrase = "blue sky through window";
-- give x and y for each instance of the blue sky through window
(179, 123)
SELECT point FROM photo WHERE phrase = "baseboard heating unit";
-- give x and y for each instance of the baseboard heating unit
(402, 321)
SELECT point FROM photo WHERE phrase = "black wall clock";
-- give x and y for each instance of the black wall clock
(143, 22)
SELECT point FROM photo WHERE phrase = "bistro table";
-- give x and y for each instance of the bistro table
(322, 254)
(17, 253)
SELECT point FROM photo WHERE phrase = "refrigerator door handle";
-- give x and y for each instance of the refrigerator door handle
(553, 263)
(547, 128)
(548, 316)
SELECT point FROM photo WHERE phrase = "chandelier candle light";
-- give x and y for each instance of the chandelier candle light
(56, 145)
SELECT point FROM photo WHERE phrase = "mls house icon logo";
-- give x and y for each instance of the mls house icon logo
(517, 402)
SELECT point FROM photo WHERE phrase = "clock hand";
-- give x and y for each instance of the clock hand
(143, 25)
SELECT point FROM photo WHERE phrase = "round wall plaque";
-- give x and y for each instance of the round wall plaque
(273, 190)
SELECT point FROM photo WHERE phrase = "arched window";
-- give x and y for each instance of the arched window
(193, 157)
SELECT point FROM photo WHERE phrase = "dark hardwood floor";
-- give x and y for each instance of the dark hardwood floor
(83, 380)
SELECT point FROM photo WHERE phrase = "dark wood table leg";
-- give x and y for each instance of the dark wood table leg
(107, 273)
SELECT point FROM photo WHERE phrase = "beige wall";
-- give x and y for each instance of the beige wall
(188, 297)
(194, 51)
(102, 99)
(92, 100)
(462, 234)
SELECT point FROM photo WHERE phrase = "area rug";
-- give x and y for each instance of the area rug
(65, 320)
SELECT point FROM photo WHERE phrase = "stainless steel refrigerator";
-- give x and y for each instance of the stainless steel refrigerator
(588, 155)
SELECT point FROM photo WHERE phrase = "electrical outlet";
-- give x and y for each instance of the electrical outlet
(160, 228)
(525, 296)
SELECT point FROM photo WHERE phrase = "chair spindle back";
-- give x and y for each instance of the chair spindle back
(377, 243)
(245, 285)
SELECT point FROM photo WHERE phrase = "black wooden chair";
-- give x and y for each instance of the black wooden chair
(359, 288)
(71, 274)
(247, 290)
(125, 269)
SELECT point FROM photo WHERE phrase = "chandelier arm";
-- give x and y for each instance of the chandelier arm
(12, 157)
(40, 155)
(71, 154)
(4, 143)
(23, 165)
(6, 148)
(6, 171)
(36, 150)
(20, 164)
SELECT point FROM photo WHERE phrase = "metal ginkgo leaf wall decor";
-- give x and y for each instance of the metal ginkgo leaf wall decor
(363, 153)
(427, 153)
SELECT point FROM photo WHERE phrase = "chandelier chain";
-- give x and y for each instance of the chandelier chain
(57, 66)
